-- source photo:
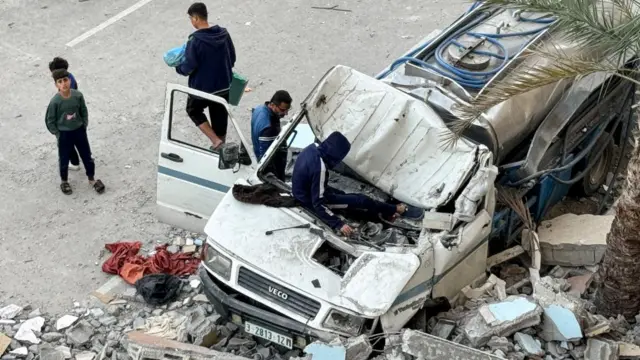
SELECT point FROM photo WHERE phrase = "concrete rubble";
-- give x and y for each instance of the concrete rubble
(504, 315)
(574, 240)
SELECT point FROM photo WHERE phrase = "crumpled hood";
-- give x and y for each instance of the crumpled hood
(213, 36)
(369, 287)
(396, 139)
(334, 149)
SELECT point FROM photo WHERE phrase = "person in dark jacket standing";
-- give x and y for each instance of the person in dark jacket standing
(310, 186)
(209, 60)
(265, 128)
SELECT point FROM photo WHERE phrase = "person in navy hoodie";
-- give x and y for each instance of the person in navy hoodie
(265, 128)
(310, 187)
(56, 64)
(209, 60)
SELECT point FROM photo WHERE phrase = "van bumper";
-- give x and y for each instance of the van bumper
(227, 305)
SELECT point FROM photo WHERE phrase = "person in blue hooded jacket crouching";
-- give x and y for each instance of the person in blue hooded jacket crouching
(310, 186)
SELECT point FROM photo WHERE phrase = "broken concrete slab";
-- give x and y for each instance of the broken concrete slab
(628, 351)
(46, 352)
(580, 284)
(510, 310)
(598, 349)
(26, 332)
(560, 324)
(111, 290)
(596, 325)
(20, 352)
(429, 347)
(358, 348)
(500, 343)
(478, 332)
(443, 328)
(10, 311)
(80, 333)
(321, 351)
(85, 355)
(528, 344)
(65, 351)
(475, 293)
(574, 240)
(65, 321)
(142, 346)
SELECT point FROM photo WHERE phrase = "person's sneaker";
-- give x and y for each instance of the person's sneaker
(74, 167)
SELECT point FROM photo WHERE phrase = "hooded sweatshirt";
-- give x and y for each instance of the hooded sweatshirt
(311, 175)
(209, 60)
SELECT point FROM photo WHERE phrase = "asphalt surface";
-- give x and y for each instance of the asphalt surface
(50, 244)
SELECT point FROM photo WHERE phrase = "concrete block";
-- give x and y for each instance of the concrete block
(560, 324)
(528, 344)
(444, 328)
(601, 350)
(147, 347)
(574, 240)
(358, 348)
(321, 351)
(501, 319)
(428, 347)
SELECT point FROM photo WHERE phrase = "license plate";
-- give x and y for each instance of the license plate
(267, 334)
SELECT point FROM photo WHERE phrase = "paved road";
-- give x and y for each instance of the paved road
(50, 243)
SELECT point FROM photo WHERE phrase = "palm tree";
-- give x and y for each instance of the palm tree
(611, 28)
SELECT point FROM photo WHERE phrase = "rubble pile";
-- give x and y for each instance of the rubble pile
(551, 320)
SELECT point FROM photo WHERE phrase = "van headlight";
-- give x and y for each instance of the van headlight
(339, 321)
(216, 262)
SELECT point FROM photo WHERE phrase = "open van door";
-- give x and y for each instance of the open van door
(191, 178)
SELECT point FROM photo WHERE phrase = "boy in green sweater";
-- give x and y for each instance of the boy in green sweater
(67, 118)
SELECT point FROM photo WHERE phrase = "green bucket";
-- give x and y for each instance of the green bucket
(236, 89)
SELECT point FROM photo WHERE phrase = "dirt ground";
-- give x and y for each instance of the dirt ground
(50, 244)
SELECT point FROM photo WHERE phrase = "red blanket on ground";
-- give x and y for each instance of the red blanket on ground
(126, 262)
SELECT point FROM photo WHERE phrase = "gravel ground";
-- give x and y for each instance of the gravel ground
(50, 244)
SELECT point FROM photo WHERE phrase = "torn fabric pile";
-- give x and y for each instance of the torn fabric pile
(126, 262)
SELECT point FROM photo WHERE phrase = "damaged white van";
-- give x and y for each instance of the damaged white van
(288, 278)
(308, 282)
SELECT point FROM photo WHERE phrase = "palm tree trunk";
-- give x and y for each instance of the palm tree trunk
(619, 287)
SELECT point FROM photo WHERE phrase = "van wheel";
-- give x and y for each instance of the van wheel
(596, 176)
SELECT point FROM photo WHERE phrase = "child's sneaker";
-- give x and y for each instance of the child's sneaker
(74, 167)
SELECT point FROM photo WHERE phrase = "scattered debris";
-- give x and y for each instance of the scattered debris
(147, 347)
(427, 347)
(4, 343)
